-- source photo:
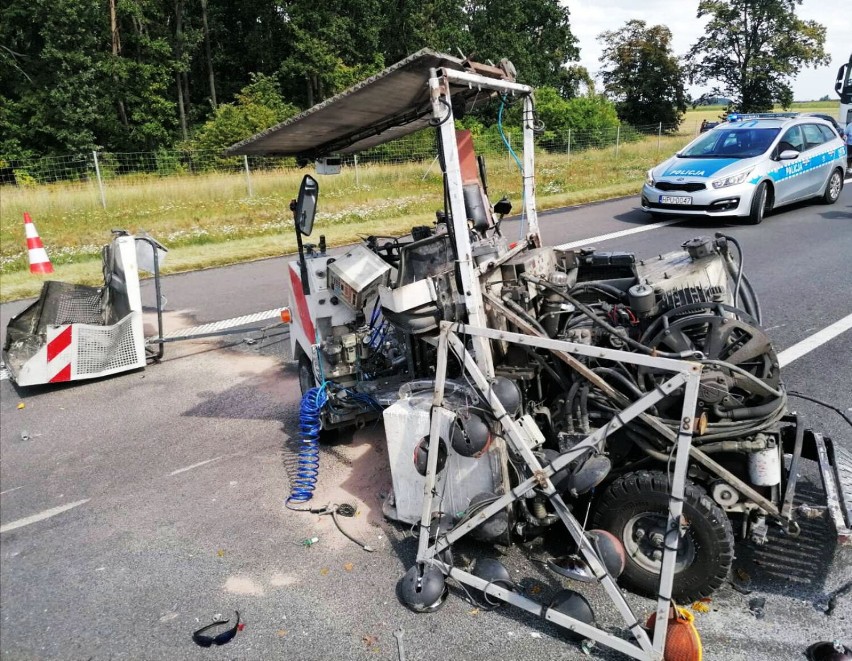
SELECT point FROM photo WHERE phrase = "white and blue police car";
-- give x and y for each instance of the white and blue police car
(747, 166)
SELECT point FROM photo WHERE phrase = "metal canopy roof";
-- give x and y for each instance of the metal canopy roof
(384, 107)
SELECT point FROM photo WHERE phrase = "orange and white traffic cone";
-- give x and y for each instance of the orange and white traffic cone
(39, 261)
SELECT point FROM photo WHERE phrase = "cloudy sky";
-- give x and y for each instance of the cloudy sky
(591, 17)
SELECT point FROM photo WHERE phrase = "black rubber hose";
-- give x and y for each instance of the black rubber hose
(638, 346)
(570, 404)
(517, 309)
(600, 287)
(757, 313)
(749, 412)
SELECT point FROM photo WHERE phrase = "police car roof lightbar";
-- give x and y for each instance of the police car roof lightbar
(735, 116)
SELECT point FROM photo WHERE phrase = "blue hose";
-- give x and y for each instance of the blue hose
(307, 465)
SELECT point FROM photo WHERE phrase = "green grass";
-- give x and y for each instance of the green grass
(209, 220)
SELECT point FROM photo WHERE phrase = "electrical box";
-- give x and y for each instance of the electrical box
(356, 276)
(329, 164)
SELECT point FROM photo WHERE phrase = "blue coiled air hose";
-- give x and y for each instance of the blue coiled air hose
(307, 464)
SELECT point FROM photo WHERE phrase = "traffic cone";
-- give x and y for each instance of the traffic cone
(39, 261)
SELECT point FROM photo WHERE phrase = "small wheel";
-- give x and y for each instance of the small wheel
(634, 508)
(306, 382)
(760, 204)
(833, 188)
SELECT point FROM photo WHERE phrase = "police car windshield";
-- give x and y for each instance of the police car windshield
(731, 142)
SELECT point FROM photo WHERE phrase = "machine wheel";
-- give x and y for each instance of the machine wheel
(760, 204)
(306, 374)
(634, 508)
(833, 188)
(306, 382)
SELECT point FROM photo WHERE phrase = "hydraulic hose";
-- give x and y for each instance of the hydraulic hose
(638, 346)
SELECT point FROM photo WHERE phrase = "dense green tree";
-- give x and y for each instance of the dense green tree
(752, 49)
(534, 34)
(334, 43)
(129, 75)
(259, 105)
(642, 74)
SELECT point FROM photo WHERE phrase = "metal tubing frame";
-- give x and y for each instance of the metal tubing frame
(442, 109)
(686, 374)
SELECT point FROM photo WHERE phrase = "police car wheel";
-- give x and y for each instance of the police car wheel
(833, 188)
(759, 204)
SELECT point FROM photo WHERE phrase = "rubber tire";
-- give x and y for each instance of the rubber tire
(758, 204)
(827, 197)
(306, 372)
(711, 532)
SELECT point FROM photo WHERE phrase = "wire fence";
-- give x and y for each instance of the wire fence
(106, 170)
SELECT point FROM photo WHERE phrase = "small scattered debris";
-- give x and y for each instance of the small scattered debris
(281, 633)
(221, 553)
(348, 566)
(700, 607)
(324, 571)
(21, 405)
(25, 435)
(587, 646)
(309, 541)
(369, 640)
(741, 581)
(473, 611)
(756, 606)
(829, 602)
(249, 341)
(535, 634)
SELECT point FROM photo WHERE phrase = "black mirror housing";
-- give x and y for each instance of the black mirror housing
(306, 205)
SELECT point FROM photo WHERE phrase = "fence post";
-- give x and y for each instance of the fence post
(248, 176)
(100, 181)
(659, 137)
(357, 172)
(617, 138)
(569, 146)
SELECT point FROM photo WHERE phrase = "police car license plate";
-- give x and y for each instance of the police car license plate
(675, 199)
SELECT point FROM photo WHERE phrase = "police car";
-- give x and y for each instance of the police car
(747, 166)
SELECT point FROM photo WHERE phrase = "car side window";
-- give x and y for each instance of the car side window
(813, 136)
(827, 133)
(792, 139)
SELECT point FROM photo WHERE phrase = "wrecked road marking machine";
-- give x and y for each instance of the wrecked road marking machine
(76, 332)
(635, 407)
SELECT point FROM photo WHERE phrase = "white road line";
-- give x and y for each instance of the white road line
(4, 373)
(200, 463)
(41, 516)
(615, 235)
(817, 339)
(11, 490)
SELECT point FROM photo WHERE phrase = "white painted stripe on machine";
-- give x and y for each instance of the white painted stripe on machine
(814, 341)
(225, 324)
(41, 516)
(615, 235)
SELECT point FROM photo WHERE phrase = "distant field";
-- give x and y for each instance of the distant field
(209, 220)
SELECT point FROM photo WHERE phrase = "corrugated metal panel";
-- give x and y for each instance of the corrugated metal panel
(384, 107)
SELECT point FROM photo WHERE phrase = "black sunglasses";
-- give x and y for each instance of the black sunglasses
(205, 640)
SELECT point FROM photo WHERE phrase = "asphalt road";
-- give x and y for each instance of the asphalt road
(178, 474)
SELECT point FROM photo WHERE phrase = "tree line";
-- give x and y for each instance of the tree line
(142, 75)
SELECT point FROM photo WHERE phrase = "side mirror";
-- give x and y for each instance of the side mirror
(306, 205)
(788, 155)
